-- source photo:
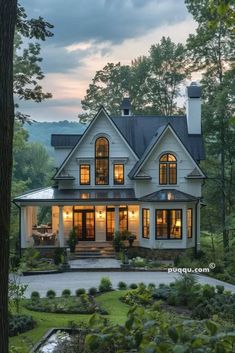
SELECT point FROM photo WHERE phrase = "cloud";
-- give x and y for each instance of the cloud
(78, 21)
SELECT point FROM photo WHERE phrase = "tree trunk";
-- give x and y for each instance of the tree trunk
(7, 28)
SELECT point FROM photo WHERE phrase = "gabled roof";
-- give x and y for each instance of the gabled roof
(195, 174)
(168, 195)
(160, 132)
(101, 110)
(139, 131)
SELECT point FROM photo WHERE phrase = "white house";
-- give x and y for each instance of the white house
(139, 173)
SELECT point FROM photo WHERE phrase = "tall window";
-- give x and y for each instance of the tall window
(118, 174)
(145, 222)
(110, 220)
(102, 161)
(84, 174)
(123, 218)
(168, 224)
(189, 222)
(168, 169)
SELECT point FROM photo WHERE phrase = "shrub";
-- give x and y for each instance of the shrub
(20, 323)
(220, 289)
(51, 294)
(72, 241)
(138, 262)
(92, 291)
(58, 255)
(105, 285)
(80, 291)
(133, 286)
(151, 286)
(66, 293)
(208, 291)
(35, 295)
(122, 285)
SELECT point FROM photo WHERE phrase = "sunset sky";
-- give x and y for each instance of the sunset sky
(90, 33)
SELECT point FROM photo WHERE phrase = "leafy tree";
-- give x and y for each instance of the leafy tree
(212, 52)
(27, 71)
(152, 82)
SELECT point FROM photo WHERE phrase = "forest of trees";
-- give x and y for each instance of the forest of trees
(153, 83)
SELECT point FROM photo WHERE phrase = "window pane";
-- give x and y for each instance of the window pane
(175, 224)
(189, 222)
(102, 171)
(171, 158)
(110, 223)
(102, 147)
(84, 174)
(118, 174)
(145, 222)
(172, 173)
(163, 173)
(123, 219)
(163, 158)
(161, 219)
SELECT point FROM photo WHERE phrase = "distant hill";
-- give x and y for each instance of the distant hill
(41, 132)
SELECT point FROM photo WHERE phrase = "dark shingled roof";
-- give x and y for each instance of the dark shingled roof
(67, 140)
(168, 195)
(140, 130)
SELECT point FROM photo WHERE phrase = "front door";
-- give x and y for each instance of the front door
(84, 223)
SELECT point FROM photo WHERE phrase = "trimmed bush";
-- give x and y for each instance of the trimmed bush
(51, 294)
(151, 286)
(20, 323)
(122, 285)
(220, 289)
(35, 295)
(208, 291)
(105, 285)
(92, 291)
(66, 293)
(80, 291)
(133, 286)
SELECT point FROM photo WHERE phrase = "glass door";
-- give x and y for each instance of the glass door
(84, 223)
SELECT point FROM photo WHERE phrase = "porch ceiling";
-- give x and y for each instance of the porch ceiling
(51, 194)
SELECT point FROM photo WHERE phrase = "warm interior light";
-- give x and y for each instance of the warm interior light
(178, 223)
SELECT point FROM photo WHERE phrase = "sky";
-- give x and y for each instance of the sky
(90, 33)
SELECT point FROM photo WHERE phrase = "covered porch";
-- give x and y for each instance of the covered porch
(48, 216)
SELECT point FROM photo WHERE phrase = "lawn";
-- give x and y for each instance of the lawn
(109, 301)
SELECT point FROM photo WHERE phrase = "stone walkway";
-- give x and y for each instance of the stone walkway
(94, 263)
(75, 280)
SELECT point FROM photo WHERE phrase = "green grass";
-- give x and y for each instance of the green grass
(109, 301)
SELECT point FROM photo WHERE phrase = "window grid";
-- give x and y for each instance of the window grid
(102, 161)
(168, 170)
(145, 223)
(118, 174)
(85, 178)
(189, 223)
(168, 224)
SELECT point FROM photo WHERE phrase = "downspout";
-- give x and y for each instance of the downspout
(19, 208)
(196, 252)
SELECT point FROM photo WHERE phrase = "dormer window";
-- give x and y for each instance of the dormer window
(168, 169)
(102, 161)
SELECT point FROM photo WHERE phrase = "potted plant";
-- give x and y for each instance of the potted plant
(117, 241)
(130, 237)
(72, 241)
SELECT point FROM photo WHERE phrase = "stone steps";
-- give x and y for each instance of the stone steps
(90, 250)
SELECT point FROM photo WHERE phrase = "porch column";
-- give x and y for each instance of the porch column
(116, 228)
(152, 227)
(61, 227)
(23, 226)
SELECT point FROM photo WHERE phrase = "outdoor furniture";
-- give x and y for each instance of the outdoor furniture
(43, 239)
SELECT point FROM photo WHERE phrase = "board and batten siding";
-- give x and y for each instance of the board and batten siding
(168, 144)
(85, 153)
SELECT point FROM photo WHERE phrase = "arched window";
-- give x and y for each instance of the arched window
(167, 169)
(102, 161)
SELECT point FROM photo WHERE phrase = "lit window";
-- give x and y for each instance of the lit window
(168, 224)
(189, 222)
(145, 222)
(102, 161)
(118, 171)
(84, 174)
(123, 218)
(168, 169)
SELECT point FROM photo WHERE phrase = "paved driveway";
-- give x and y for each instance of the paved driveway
(75, 280)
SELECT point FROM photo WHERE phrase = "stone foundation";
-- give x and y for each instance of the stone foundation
(155, 254)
